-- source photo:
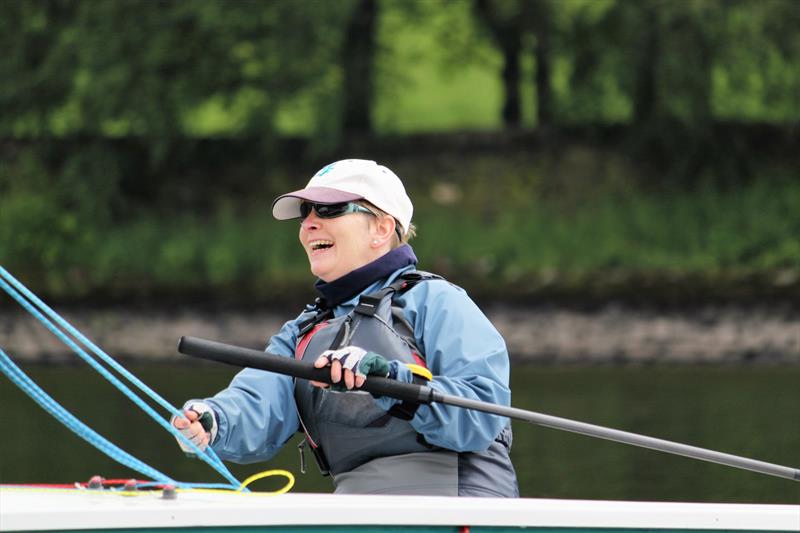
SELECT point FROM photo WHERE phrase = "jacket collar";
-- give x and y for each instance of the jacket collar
(353, 283)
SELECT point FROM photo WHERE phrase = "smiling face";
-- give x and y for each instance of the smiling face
(337, 246)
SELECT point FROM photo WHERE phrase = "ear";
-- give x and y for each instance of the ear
(382, 230)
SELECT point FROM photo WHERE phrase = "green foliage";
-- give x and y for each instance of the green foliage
(710, 232)
(758, 76)
(160, 69)
(499, 232)
(194, 254)
(45, 216)
(217, 67)
(431, 74)
(91, 213)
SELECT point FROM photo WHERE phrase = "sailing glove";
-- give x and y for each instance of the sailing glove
(359, 361)
(363, 363)
(204, 426)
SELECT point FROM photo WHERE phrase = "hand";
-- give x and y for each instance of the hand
(198, 424)
(352, 365)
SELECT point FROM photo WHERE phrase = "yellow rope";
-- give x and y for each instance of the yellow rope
(267, 473)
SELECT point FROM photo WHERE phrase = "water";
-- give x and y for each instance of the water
(753, 411)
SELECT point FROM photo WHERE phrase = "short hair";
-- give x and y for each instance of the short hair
(399, 238)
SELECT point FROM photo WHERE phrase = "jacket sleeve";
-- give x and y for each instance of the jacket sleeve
(467, 357)
(256, 414)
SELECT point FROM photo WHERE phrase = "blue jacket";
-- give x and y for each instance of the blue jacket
(256, 414)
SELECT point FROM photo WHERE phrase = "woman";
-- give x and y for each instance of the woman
(376, 316)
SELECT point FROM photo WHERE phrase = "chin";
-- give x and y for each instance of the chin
(321, 273)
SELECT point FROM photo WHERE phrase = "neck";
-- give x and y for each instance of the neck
(353, 283)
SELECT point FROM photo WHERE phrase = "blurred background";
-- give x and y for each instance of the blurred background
(614, 181)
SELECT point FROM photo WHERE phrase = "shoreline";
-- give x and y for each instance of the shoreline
(610, 334)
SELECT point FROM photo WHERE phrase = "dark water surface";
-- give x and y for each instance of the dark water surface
(753, 411)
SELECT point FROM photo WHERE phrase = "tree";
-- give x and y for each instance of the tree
(511, 23)
(357, 58)
(131, 67)
(538, 13)
(503, 20)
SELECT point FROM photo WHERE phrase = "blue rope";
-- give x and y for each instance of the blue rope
(209, 456)
(113, 379)
(78, 335)
(29, 387)
(184, 485)
(21, 380)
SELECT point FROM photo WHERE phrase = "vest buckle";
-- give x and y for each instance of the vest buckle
(368, 305)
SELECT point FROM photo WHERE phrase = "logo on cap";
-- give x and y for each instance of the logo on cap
(326, 170)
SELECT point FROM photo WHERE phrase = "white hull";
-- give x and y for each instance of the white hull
(65, 510)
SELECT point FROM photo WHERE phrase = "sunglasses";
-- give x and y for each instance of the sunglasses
(332, 210)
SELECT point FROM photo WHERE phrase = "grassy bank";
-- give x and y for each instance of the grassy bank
(503, 229)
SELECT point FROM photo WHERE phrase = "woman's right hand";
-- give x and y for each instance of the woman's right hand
(198, 424)
(350, 367)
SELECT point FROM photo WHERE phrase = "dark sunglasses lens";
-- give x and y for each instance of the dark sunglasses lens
(323, 211)
(330, 211)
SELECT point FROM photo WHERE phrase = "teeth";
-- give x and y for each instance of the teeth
(318, 244)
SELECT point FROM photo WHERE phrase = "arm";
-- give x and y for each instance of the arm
(467, 357)
(256, 414)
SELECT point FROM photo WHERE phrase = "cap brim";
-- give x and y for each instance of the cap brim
(287, 206)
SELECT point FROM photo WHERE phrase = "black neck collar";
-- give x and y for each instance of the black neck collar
(353, 283)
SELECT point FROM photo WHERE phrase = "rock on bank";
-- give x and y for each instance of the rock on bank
(610, 334)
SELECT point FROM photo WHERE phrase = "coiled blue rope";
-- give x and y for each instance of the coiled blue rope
(17, 292)
(29, 387)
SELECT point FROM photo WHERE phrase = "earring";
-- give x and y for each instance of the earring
(374, 242)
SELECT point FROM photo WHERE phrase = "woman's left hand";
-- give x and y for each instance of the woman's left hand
(198, 424)
(351, 364)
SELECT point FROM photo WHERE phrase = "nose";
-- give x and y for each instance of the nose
(311, 221)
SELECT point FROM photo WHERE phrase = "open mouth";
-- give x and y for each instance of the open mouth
(320, 245)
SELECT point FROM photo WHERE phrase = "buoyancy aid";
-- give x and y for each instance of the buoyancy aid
(347, 429)
(361, 445)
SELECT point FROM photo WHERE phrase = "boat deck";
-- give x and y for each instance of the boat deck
(81, 510)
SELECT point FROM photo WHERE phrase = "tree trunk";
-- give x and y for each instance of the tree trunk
(542, 54)
(645, 86)
(358, 53)
(512, 114)
(508, 36)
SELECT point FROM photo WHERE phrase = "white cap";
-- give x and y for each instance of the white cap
(346, 181)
